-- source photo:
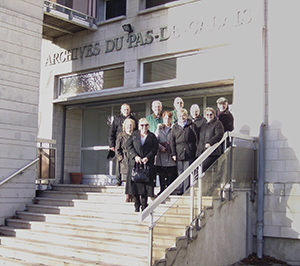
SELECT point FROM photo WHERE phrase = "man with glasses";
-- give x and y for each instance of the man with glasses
(211, 133)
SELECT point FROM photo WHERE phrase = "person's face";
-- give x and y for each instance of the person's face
(167, 120)
(144, 127)
(178, 103)
(182, 118)
(222, 106)
(209, 116)
(129, 127)
(125, 110)
(195, 112)
(157, 108)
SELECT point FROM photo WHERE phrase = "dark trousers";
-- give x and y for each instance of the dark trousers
(182, 166)
(166, 176)
(140, 200)
(208, 162)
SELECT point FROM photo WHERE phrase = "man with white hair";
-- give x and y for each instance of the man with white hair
(178, 105)
(195, 116)
(155, 118)
(115, 129)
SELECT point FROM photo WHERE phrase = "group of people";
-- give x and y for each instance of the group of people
(165, 142)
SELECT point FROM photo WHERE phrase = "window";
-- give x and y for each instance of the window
(159, 70)
(108, 9)
(153, 3)
(92, 81)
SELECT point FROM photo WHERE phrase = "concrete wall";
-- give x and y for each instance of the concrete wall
(282, 180)
(223, 238)
(20, 53)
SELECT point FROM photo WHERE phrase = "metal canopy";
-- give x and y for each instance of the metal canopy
(60, 20)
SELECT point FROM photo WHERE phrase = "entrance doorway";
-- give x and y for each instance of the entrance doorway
(96, 124)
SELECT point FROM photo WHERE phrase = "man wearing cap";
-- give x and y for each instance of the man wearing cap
(224, 115)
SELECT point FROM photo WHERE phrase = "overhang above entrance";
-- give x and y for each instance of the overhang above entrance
(60, 20)
(146, 93)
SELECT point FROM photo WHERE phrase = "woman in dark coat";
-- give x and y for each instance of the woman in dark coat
(142, 147)
(211, 133)
(123, 155)
(183, 145)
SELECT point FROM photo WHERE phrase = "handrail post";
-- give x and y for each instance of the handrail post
(200, 194)
(150, 244)
(192, 204)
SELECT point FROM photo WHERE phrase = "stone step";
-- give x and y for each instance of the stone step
(27, 218)
(79, 253)
(33, 258)
(87, 233)
(88, 188)
(5, 261)
(54, 199)
(77, 242)
(125, 211)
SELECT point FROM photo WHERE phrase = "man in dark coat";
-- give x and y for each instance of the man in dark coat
(183, 145)
(224, 115)
(116, 128)
(211, 133)
(195, 116)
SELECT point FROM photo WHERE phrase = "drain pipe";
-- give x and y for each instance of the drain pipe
(261, 181)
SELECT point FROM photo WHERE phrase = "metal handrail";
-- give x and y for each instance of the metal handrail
(187, 173)
(71, 12)
(19, 171)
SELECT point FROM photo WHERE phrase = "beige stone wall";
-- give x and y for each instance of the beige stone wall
(282, 180)
(20, 42)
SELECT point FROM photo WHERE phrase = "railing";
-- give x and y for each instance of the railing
(20, 171)
(214, 185)
(69, 11)
(47, 161)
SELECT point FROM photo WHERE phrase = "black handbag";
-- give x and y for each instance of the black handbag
(140, 173)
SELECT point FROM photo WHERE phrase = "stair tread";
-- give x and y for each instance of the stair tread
(91, 222)
(74, 237)
(136, 223)
(54, 257)
(87, 250)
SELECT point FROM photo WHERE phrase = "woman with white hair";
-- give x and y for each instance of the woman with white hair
(142, 147)
(122, 155)
(183, 144)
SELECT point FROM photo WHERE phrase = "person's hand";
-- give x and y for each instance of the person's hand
(112, 148)
(138, 159)
(145, 160)
(163, 149)
(174, 158)
(207, 145)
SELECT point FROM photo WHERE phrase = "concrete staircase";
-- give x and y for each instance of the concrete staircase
(88, 225)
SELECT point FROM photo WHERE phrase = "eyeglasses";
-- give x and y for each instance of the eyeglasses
(144, 125)
(209, 114)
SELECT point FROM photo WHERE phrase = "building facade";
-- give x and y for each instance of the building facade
(143, 50)
(20, 53)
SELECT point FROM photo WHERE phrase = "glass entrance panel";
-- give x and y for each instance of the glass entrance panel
(95, 140)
